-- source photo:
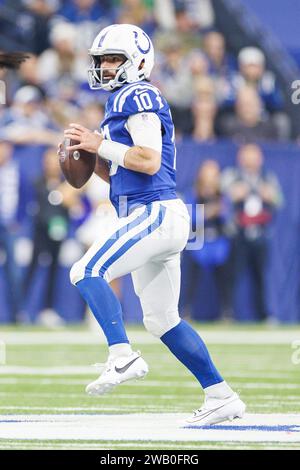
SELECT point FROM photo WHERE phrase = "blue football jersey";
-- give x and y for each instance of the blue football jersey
(130, 188)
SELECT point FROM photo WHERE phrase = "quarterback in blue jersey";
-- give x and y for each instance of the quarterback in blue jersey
(137, 156)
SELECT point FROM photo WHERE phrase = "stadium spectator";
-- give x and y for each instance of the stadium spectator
(252, 71)
(183, 14)
(88, 112)
(214, 254)
(10, 214)
(255, 194)
(249, 123)
(62, 59)
(91, 114)
(28, 72)
(175, 76)
(185, 28)
(221, 65)
(24, 24)
(77, 11)
(27, 75)
(204, 109)
(135, 12)
(57, 203)
(204, 112)
(88, 17)
(215, 50)
(27, 121)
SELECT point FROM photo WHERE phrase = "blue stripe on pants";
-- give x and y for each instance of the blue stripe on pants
(116, 236)
(139, 236)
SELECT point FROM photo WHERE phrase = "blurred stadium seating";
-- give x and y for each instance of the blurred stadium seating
(226, 68)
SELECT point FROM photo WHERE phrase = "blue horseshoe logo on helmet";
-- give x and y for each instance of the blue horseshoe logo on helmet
(102, 39)
(109, 28)
(143, 51)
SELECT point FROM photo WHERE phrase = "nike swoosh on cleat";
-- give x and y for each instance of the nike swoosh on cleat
(212, 411)
(121, 370)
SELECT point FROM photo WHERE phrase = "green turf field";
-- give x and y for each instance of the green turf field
(43, 375)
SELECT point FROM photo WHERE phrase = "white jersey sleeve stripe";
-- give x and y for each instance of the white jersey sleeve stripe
(126, 90)
(127, 93)
(121, 92)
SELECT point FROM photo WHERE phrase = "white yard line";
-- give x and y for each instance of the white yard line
(142, 396)
(83, 409)
(22, 378)
(142, 337)
(79, 370)
(150, 427)
(135, 396)
(21, 444)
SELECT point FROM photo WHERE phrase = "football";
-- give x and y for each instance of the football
(76, 165)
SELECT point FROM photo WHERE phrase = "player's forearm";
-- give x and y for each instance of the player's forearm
(142, 159)
(136, 158)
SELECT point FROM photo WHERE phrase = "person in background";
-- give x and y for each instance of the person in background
(9, 222)
(174, 79)
(78, 11)
(255, 195)
(57, 203)
(28, 73)
(204, 110)
(136, 12)
(175, 75)
(24, 24)
(214, 254)
(63, 59)
(221, 66)
(215, 50)
(86, 16)
(27, 120)
(252, 71)
(249, 123)
(182, 15)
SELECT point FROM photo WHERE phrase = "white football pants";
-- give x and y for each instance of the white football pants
(146, 244)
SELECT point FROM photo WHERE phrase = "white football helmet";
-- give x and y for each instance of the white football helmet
(126, 40)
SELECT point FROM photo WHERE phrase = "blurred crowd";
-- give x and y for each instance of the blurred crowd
(238, 205)
(213, 94)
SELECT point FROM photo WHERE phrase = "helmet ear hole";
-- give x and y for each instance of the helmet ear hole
(141, 64)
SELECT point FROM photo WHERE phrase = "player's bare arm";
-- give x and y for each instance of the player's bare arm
(143, 160)
(136, 158)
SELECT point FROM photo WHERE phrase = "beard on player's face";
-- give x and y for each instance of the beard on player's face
(109, 65)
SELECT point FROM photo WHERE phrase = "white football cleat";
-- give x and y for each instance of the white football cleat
(217, 410)
(118, 370)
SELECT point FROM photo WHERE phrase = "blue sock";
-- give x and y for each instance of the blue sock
(106, 308)
(185, 343)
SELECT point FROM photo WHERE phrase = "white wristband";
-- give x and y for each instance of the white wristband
(113, 151)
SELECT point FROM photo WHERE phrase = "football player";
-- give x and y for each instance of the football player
(137, 156)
